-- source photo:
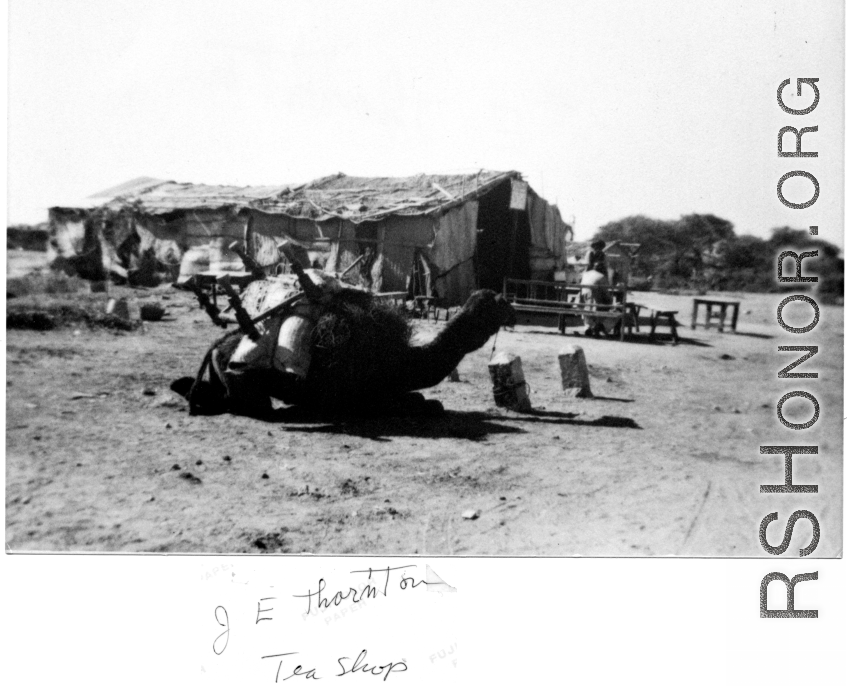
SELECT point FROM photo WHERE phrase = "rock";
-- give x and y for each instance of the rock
(168, 400)
(175, 468)
(454, 376)
(149, 391)
(717, 408)
(188, 476)
(199, 462)
(227, 458)
(122, 308)
(574, 370)
(168, 426)
(471, 514)
(736, 411)
(265, 475)
(80, 396)
(727, 357)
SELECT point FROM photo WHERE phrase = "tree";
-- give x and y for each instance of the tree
(675, 252)
(828, 266)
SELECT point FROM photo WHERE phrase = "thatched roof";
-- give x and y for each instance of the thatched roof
(353, 198)
(358, 198)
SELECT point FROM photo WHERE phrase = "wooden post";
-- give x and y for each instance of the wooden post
(694, 314)
(723, 316)
(708, 316)
(508, 381)
(574, 370)
(623, 309)
(241, 316)
(735, 316)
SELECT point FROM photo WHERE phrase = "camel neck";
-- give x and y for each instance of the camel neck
(432, 362)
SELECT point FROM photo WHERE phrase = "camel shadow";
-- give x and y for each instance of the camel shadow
(451, 424)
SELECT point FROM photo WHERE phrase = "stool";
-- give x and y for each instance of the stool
(656, 317)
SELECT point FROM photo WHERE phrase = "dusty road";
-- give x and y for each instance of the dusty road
(665, 461)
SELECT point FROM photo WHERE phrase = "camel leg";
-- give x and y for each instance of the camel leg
(248, 392)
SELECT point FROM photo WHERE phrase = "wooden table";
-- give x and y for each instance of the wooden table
(722, 307)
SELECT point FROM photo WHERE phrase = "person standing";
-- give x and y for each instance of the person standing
(597, 258)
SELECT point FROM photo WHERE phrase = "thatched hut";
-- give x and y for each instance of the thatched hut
(433, 235)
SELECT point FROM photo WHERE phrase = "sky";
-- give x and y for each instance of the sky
(608, 108)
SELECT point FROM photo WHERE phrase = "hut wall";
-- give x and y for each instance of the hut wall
(344, 248)
(548, 231)
(452, 253)
(399, 237)
(67, 233)
(216, 229)
(118, 242)
(163, 236)
(267, 232)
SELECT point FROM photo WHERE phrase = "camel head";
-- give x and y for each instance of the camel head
(491, 308)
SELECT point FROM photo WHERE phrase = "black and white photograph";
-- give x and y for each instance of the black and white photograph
(424, 341)
(423, 278)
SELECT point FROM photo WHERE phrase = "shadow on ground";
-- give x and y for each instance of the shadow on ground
(472, 426)
(571, 418)
(637, 338)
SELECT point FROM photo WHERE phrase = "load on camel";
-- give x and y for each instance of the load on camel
(331, 347)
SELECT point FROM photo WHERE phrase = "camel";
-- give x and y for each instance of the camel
(358, 354)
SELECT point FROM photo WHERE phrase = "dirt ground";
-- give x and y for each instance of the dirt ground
(101, 456)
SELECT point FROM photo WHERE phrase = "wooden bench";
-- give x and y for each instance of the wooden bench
(397, 297)
(554, 298)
